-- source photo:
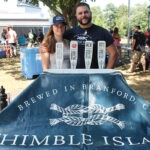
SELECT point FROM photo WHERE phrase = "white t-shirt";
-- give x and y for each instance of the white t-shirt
(12, 36)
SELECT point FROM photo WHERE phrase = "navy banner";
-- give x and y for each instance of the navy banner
(76, 111)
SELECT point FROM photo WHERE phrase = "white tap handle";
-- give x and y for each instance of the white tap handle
(88, 54)
(101, 54)
(59, 55)
(73, 54)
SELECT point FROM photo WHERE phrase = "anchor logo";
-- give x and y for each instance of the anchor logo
(97, 115)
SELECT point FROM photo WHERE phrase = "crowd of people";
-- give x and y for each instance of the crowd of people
(34, 38)
(140, 42)
(10, 40)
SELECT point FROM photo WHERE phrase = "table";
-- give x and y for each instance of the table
(75, 110)
(127, 50)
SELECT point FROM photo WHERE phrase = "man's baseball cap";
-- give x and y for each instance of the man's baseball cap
(58, 19)
(138, 27)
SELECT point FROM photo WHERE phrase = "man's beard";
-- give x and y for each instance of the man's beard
(89, 20)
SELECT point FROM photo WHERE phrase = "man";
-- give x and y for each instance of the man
(12, 41)
(138, 45)
(3, 34)
(88, 31)
(40, 36)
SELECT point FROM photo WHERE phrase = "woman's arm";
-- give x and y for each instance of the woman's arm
(45, 56)
(45, 60)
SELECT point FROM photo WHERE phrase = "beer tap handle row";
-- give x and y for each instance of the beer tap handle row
(88, 54)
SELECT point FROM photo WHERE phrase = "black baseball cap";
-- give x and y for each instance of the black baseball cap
(58, 19)
(138, 27)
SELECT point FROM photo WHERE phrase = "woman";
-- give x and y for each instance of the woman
(117, 40)
(48, 46)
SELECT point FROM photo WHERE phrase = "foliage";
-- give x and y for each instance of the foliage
(118, 17)
(98, 17)
(122, 19)
(139, 16)
(110, 14)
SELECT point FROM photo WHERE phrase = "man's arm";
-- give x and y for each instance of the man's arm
(133, 44)
(68, 34)
(15, 37)
(113, 55)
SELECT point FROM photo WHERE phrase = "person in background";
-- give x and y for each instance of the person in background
(111, 30)
(31, 38)
(40, 36)
(147, 35)
(4, 36)
(89, 31)
(48, 46)
(148, 40)
(131, 34)
(117, 40)
(8, 51)
(138, 47)
(12, 41)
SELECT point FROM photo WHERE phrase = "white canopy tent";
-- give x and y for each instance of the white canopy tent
(22, 17)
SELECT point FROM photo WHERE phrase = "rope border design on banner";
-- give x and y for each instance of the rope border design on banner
(97, 115)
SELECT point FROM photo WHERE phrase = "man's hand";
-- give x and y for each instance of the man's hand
(132, 49)
(133, 44)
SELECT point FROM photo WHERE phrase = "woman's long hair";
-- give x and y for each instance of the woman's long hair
(115, 34)
(49, 41)
(116, 30)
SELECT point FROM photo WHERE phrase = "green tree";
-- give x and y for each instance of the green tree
(118, 17)
(98, 17)
(139, 16)
(110, 14)
(122, 20)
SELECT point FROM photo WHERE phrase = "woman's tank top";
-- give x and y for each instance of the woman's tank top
(66, 61)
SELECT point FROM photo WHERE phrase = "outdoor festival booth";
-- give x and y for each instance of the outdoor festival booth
(77, 109)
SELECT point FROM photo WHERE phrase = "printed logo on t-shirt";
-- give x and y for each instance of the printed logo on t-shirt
(81, 38)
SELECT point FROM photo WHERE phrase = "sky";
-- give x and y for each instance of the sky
(103, 3)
